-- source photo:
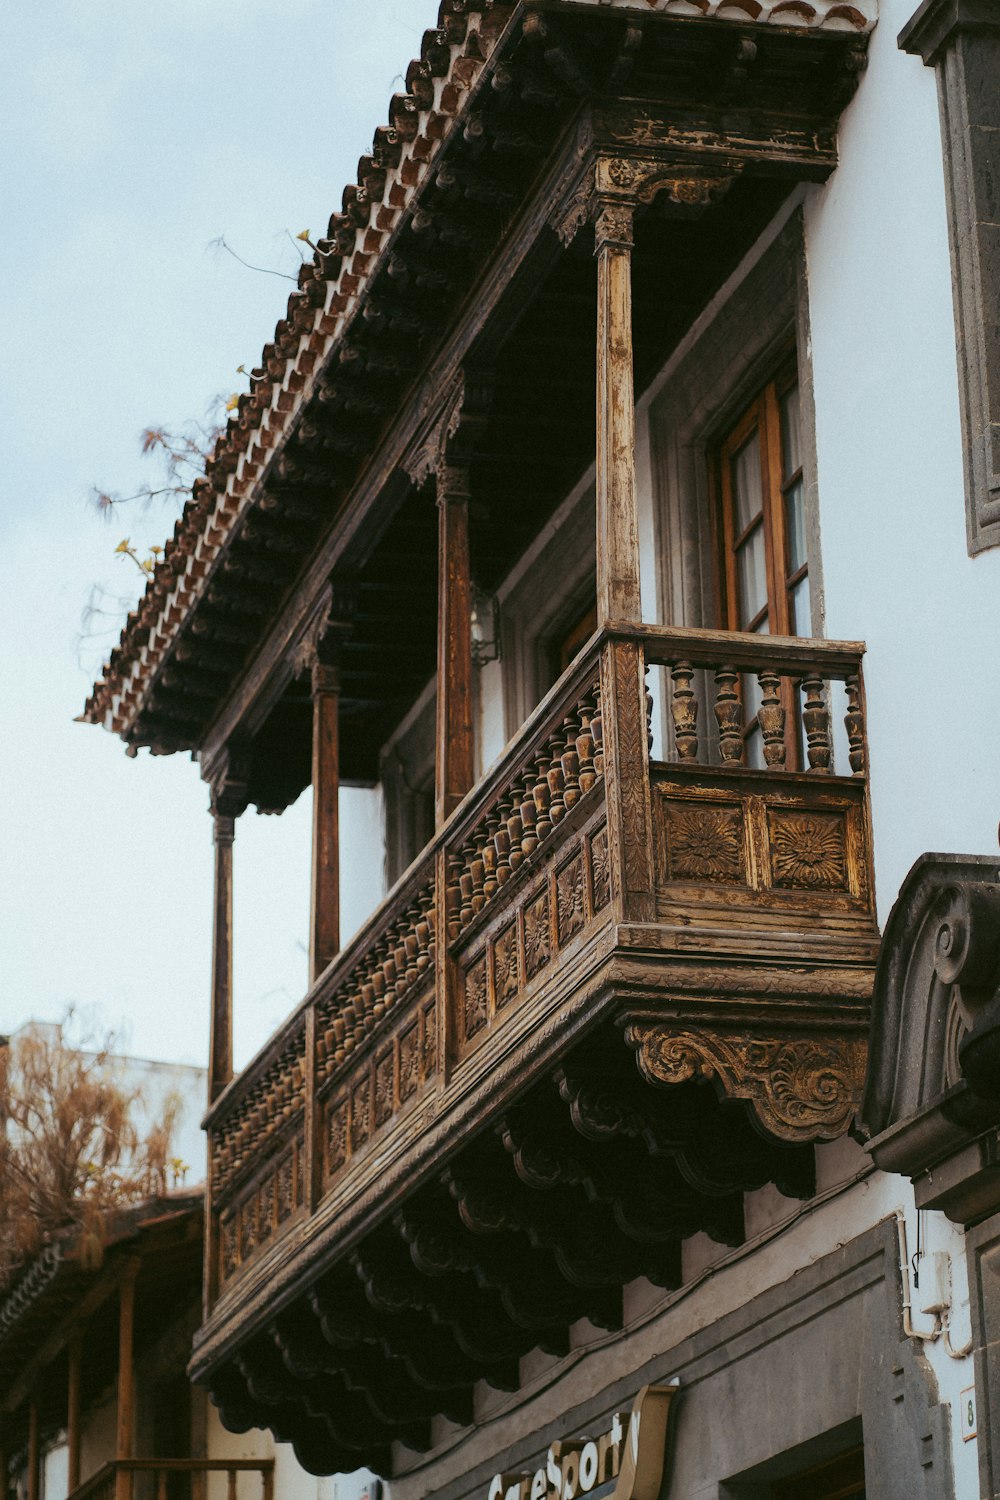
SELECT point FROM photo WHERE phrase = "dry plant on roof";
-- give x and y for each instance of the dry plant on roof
(71, 1153)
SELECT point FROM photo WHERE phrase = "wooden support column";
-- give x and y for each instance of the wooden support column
(125, 1424)
(34, 1453)
(75, 1357)
(324, 922)
(454, 768)
(220, 1048)
(617, 513)
(229, 799)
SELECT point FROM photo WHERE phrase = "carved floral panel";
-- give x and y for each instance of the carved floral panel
(600, 869)
(506, 977)
(265, 1207)
(230, 1245)
(476, 1001)
(360, 1112)
(570, 900)
(409, 1061)
(429, 1021)
(705, 841)
(384, 1087)
(285, 1177)
(336, 1134)
(808, 849)
(537, 935)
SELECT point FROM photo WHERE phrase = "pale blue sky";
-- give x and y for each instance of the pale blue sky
(133, 136)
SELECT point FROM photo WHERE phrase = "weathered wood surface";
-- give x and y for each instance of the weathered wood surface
(519, 963)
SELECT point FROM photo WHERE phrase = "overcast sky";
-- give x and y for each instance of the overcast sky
(134, 137)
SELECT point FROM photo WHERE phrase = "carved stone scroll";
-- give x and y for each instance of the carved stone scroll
(804, 1088)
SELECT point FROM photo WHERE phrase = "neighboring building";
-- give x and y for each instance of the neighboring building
(94, 1401)
(569, 1129)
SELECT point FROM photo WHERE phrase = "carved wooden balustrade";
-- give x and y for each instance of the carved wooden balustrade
(716, 903)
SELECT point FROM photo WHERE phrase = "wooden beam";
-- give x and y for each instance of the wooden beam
(34, 1453)
(75, 1356)
(324, 921)
(220, 1049)
(454, 768)
(229, 776)
(617, 513)
(125, 1422)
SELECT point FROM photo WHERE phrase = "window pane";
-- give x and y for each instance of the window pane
(752, 573)
(791, 452)
(746, 484)
(795, 527)
(799, 607)
(755, 749)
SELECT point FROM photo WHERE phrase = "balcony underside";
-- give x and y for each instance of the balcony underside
(448, 1254)
(647, 995)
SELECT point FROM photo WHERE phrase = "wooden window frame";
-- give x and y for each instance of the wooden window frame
(764, 415)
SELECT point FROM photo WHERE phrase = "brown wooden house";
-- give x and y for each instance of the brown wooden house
(94, 1337)
(621, 975)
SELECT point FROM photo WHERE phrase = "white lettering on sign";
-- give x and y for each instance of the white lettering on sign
(633, 1452)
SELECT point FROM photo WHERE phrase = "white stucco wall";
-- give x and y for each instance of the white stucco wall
(892, 509)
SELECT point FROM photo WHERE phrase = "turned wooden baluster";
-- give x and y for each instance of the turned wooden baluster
(729, 714)
(585, 746)
(684, 710)
(477, 869)
(490, 857)
(515, 832)
(339, 1026)
(816, 720)
(422, 931)
(453, 900)
(391, 971)
(570, 761)
(597, 730)
(465, 886)
(402, 965)
(649, 710)
(855, 725)
(771, 717)
(529, 838)
(411, 944)
(543, 798)
(557, 786)
(501, 842)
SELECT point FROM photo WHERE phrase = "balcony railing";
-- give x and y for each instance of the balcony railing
(576, 846)
(180, 1479)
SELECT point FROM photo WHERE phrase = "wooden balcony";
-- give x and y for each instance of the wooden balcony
(612, 994)
(180, 1479)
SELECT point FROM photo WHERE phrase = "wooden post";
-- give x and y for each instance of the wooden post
(324, 924)
(220, 1051)
(617, 515)
(75, 1356)
(126, 1381)
(454, 770)
(34, 1453)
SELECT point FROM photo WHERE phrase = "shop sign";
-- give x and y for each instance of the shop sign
(631, 1455)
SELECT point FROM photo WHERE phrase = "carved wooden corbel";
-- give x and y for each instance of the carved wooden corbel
(802, 1089)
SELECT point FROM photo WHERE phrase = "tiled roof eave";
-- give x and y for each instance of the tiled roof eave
(331, 292)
